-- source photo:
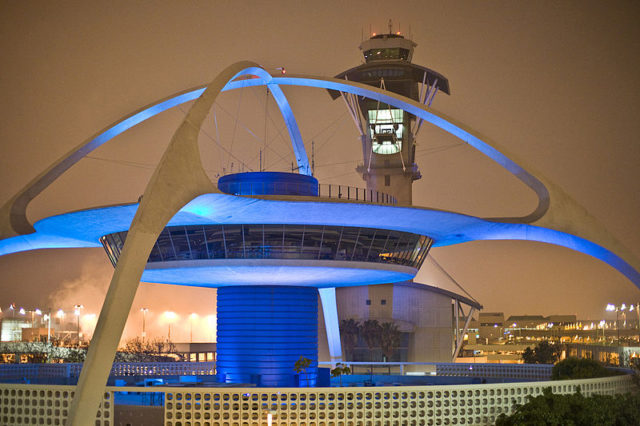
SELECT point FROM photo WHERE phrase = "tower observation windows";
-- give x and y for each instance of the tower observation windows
(383, 54)
(386, 127)
(303, 242)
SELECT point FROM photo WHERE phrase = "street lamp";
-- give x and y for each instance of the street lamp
(33, 317)
(144, 314)
(191, 318)
(170, 316)
(47, 318)
(76, 312)
(622, 308)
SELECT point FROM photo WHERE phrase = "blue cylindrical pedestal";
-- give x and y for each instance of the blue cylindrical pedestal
(263, 331)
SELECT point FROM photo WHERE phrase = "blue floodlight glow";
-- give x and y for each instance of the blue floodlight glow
(84, 228)
(263, 331)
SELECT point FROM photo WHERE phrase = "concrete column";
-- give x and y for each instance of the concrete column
(331, 322)
(178, 178)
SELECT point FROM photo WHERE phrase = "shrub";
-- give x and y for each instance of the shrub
(575, 409)
(574, 368)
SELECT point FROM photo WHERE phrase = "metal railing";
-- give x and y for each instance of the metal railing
(454, 369)
(12, 372)
(324, 190)
(355, 194)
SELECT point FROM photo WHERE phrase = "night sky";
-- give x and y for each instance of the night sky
(554, 82)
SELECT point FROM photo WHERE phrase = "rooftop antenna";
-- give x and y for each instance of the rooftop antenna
(390, 26)
(313, 158)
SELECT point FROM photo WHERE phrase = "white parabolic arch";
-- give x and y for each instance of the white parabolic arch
(179, 178)
(556, 210)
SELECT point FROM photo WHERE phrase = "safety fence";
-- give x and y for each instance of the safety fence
(454, 369)
(308, 189)
(395, 405)
(513, 371)
(52, 371)
(355, 194)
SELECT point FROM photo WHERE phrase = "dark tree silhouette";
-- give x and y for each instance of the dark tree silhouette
(349, 331)
(543, 353)
(371, 333)
(389, 339)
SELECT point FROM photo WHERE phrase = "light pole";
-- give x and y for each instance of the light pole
(191, 318)
(76, 312)
(144, 314)
(170, 316)
(622, 308)
(33, 321)
(47, 318)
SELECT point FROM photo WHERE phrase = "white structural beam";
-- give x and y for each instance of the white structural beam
(178, 179)
(331, 322)
(576, 228)
(460, 334)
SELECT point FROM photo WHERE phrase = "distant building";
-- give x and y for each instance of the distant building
(491, 326)
(11, 329)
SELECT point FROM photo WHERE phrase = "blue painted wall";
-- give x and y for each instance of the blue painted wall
(263, 331)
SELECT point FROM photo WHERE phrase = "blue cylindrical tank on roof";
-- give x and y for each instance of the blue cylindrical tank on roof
(269, 183)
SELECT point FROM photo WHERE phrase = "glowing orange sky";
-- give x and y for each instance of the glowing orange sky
(555, 82)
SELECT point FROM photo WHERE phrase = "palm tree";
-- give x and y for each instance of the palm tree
(349, 330)
(371, 334)
(389, 339)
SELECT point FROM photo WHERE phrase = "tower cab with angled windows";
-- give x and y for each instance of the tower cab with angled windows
(388, 134)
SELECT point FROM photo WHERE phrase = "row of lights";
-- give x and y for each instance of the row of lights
(169, 316)
(623, 307)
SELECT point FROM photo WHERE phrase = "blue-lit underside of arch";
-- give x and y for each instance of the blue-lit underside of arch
(487, 230)
(84, 228)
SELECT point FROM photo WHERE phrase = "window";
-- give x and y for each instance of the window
(386, 128)
(368, 302)
(387, 180)
(383, 302)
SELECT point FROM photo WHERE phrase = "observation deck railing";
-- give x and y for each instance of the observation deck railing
(356, 194)
(325, 190)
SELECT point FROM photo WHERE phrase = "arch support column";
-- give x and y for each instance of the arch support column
(178, 178)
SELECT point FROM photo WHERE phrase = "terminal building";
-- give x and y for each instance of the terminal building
(291, 263)
(425, 315)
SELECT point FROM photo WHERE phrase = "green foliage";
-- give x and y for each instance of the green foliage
(575, 409)
(543, 353)
(339, 370)
(371, 332)
(76, 355)
(574, 368)
(301, 365)
(634, 363)
(389, 339)
(349, 331)
(138, 350)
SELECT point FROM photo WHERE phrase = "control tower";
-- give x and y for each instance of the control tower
(388, 134)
